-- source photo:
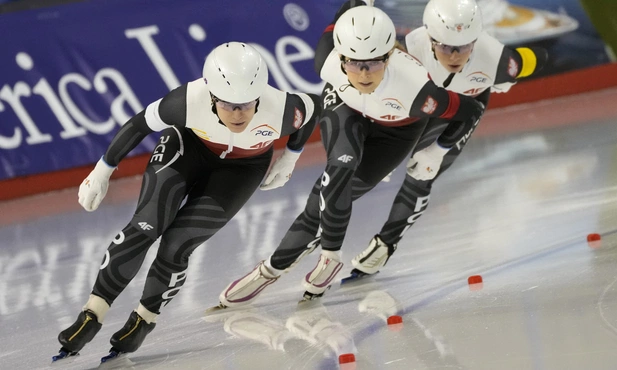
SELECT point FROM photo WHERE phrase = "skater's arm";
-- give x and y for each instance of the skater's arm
(300, 119)
(437, 102)
(456, 131)
(166, 112)
(515, 64)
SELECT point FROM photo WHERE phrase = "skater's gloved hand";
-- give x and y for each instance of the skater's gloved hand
(502, 87)
(425, 164)
(281, 170)
(93, 189)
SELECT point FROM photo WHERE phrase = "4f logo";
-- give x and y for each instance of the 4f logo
(474, 92)
(261, 145)
(145, 226)
(345, 158)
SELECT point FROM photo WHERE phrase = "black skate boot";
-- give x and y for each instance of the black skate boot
(130, 337)
(77, 335)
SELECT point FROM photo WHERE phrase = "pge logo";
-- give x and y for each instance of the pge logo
(393, 103)
(264, 133)
(264, 130)
(478, 77)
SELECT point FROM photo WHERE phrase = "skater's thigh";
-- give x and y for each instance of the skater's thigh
(167, 178)
(385, 148)
(343, 132)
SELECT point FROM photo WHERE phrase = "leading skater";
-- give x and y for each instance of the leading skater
(377, 101)
(463, 58)
(209, 154)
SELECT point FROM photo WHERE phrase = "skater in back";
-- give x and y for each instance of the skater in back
(462, 58)
(376, 104)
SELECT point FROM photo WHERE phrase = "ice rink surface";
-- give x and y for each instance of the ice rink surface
(516, 208)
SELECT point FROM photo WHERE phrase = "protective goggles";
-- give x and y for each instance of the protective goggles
(230, 107)
(449, 49)
(370, 66)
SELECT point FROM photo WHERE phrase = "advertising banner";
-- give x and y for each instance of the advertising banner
(72, 74)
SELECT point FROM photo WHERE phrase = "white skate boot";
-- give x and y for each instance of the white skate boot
(246, 289)
(372, 259)
(319, 279)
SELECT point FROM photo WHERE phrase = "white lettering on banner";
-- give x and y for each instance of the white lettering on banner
(12, 97)
(285, 61)
(144, 37)
(96, 127)
(305, 52)
(57, 106)
(126, 94)
(71, 130)
(76, 121)
(10, 142)
(42, 88)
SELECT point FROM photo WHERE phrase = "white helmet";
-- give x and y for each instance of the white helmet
(235, 72)
(364, 32)
(453, 23)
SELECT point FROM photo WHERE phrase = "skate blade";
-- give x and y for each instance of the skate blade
(113, 359)
(355, 276)
(218, 308)
(217, 313)
(121, 361)
(64, 357)
(308, 296)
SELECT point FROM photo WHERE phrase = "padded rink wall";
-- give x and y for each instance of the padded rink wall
(78, 71)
